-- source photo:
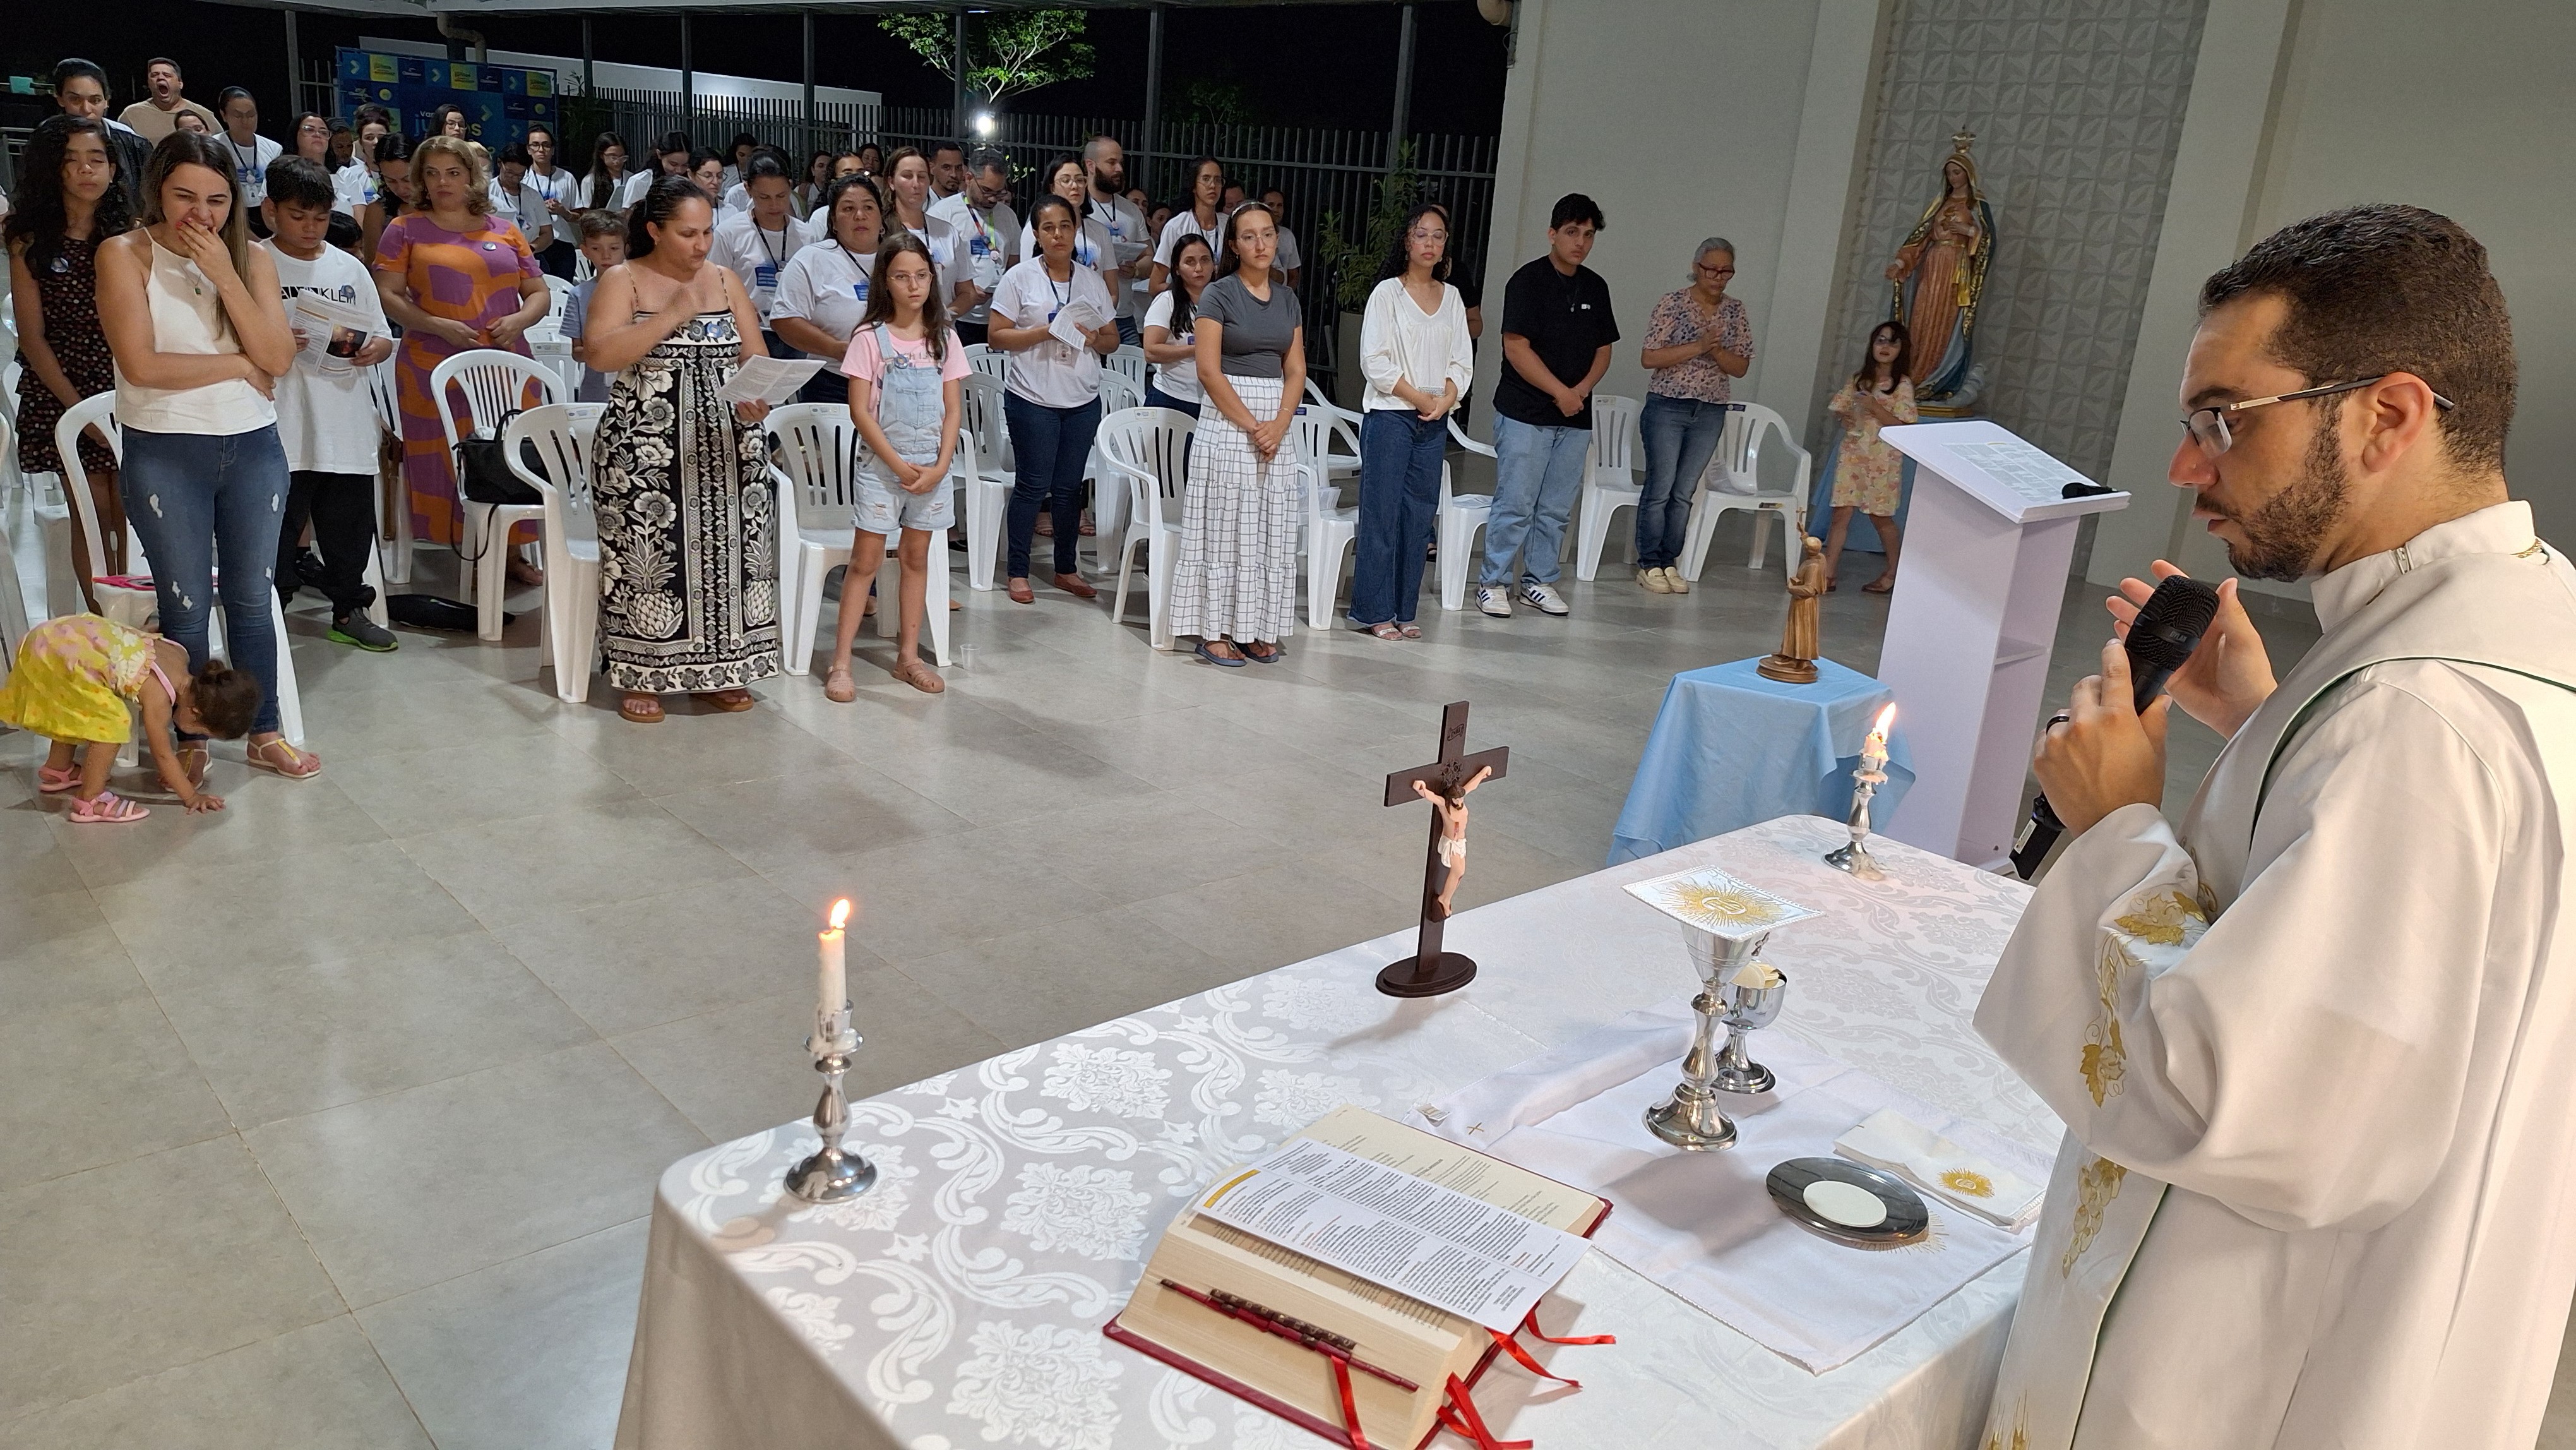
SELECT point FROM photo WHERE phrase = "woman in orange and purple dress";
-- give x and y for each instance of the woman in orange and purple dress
(457, 279)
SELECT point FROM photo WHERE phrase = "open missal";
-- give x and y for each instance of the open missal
(1350, 1278)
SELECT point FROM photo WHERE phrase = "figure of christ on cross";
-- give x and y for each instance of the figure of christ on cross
(1445, 783)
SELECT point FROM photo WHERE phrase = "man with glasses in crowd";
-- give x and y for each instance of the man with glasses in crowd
(2312, 1046)
(984, 221)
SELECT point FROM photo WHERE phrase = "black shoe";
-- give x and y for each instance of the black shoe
(365, 633)
(308, 567)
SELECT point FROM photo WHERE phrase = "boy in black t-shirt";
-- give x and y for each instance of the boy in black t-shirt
(1557, 331)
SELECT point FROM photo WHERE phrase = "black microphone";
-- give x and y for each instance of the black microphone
(2160, 639)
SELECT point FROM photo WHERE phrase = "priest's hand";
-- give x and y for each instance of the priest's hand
(2101, 756)
(2228, 676)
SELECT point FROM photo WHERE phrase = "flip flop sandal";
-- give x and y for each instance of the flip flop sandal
(54, 782)
(1271, 658)
(107, 808)
(642, 709)
(838, 687)
(1231, 662)
(1410, 630)
(295, 765)
(731, 702)
(1385, 631)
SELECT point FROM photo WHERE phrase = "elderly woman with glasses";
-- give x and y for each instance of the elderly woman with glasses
(1698, 342)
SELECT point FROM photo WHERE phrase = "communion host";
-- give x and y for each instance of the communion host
(2314, 1047)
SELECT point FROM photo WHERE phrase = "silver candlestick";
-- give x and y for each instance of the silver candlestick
(833, 1174)
(1867, 777)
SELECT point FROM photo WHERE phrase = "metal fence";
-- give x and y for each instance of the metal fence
(1323, 173)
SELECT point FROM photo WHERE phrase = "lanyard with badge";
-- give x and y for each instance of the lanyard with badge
(764, 276)
(984, 248)
(858, 288)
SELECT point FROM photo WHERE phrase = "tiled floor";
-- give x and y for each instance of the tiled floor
(331, 1120)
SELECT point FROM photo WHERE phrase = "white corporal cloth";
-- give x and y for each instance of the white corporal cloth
(959, 1303)
(1703, 1224)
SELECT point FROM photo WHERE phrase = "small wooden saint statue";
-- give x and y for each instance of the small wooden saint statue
(1801, 642)
(1452, 850)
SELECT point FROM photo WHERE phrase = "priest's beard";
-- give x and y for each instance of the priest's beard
(2282, 536)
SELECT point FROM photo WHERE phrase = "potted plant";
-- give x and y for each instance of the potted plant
(1348, 269)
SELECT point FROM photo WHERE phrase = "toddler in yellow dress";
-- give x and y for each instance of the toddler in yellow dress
(77, 678)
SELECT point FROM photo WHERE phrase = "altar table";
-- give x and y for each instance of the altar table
(960, 1302)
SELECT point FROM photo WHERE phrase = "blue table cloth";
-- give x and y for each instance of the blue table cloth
(1731, 749)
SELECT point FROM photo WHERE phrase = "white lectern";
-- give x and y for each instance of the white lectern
(1987, 545)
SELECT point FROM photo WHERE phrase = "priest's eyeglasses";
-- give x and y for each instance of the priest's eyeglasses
(2208, 426)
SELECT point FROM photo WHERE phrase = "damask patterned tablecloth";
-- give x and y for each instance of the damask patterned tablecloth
(960, 1303)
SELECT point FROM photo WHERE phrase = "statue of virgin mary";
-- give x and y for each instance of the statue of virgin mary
(1937, 278)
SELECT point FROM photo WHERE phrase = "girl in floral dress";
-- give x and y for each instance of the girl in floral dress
(78, 680)
(688, 545)
(1869, 474)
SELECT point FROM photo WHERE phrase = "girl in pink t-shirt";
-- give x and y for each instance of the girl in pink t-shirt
(905, 367)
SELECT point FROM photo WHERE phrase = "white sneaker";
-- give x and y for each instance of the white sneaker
(1494, 599)
(1674, 583)
(1652, 581)
(1544, 598)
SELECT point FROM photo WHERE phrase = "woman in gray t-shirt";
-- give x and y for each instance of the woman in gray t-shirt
(1235, 587)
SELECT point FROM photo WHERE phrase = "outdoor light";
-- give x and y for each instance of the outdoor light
(984, 124)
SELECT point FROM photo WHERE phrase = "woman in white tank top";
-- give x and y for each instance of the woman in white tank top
(193, 318)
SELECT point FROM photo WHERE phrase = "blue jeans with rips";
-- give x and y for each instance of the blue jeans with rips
(1538, 476)
(209, 507)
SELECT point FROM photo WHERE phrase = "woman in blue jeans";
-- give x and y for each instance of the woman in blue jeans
(192, 314)
(1052, 405)
(1419, 360)
(1698, 341)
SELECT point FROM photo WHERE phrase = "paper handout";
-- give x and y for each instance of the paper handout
(1438, 1245)
(333, 331)
(1074, 323)
(768, 380)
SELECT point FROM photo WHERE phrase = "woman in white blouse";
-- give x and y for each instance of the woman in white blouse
(1052, 397)
(1418, 359)
(824, 290)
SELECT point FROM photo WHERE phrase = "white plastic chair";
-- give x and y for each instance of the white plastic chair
(134, 604)
(13, 603)
(1734, 481)
(1610, 481)
(985, 359)
(1118, 392)
(1462, 516)
(568, 635)
(1330, 531)
(495, 384)
(990, 479)
(1345, 428)
(1129, 362)
(819, 456)
(1143, 449)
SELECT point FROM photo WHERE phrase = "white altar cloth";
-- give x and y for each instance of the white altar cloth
(960, 1303)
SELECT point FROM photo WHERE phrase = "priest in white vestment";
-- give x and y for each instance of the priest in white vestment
(2316, 1048)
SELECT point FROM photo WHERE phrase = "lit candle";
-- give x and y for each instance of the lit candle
(1873, 751)
(836, 972)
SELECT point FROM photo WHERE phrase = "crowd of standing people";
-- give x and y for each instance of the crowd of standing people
(160, 254)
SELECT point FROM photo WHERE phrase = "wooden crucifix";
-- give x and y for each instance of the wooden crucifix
(1431, 971)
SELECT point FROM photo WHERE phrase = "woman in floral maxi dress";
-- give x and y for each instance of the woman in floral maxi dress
(688, 543)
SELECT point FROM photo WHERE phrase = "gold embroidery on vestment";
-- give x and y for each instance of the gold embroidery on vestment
(2018, 1438)
(2096, 1184)
(1969, 1182)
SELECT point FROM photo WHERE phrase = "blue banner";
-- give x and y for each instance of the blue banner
(500, 102)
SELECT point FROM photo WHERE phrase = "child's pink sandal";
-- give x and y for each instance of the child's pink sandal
(54, 782)
(106, 808)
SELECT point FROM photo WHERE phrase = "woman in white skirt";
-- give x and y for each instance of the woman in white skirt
(1235, 588)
